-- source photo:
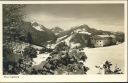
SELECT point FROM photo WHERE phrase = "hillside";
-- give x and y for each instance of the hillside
(40, 34)
(97, 56)
(82, 35)
(85, 28)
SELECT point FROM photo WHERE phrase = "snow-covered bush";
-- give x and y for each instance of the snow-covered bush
(62, 46)
(107, 67)
(63, 61)
(30, 52)
(25, 65)
(44, 49)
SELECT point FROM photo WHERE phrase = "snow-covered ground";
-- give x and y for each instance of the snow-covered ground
(37, 47)
(40, 58)
(97, 56)
(61, 38)
(67, 39)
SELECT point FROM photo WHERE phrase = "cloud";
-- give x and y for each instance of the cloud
(101, 16)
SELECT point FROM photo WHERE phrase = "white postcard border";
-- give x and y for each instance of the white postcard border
(64, 78)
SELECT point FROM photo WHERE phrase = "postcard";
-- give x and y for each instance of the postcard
(68, 41)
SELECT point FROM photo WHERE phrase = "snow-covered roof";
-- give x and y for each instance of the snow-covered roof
(105, 35)
(100, 37)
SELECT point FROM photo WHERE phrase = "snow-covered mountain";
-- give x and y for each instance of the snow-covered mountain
(75, 37)
(83, 31)
(81, 35)
(38, 26)
(40, 34)
(56, 30)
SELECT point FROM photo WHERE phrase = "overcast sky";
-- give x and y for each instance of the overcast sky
(108, 17)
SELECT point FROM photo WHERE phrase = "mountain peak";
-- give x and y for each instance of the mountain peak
(57, 30)
(34, 24)
(37, 26)
(84, 26)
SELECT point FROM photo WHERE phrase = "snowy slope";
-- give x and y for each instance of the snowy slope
(97, 56)
(39, 28)
(67, 38)
(83, 31)
(40, 58)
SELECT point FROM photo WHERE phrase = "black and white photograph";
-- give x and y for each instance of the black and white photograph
(64, 39)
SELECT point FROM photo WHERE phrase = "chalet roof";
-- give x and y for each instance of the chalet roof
(106, 35)
(96, 37)
(100, 37)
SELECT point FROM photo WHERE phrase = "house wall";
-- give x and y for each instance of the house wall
(107, 41)
(101, 42)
